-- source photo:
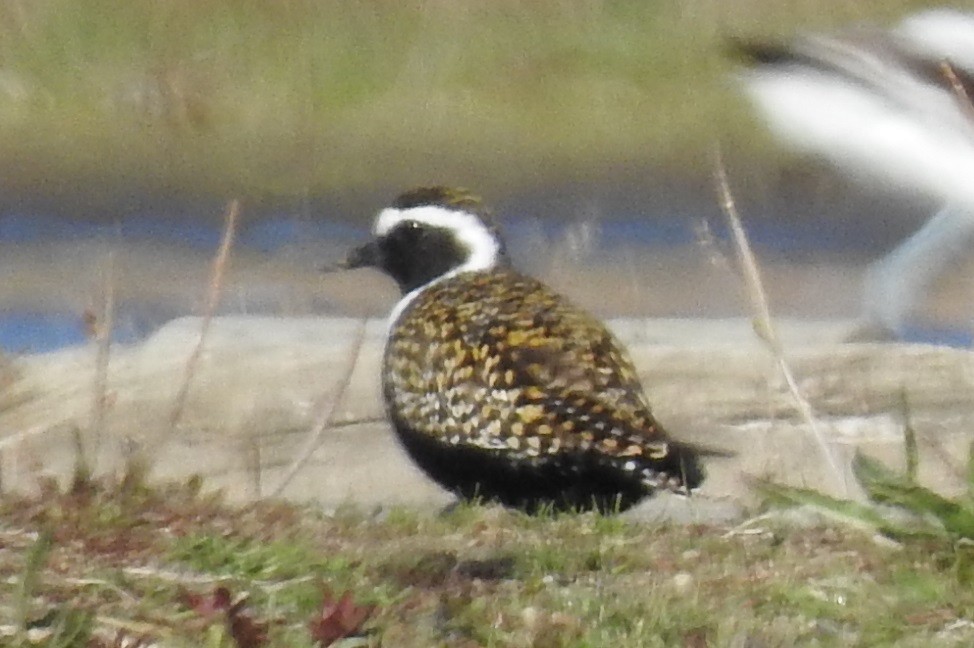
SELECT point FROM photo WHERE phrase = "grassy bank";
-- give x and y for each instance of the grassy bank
(304, 97)
(154, 565)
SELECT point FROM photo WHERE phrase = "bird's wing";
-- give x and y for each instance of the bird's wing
(566, 373)
(501, 362)
(877, 103)
(539, 338)
(893, 107)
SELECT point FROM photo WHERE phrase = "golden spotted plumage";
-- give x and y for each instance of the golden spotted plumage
(498, 386)
(499, 361)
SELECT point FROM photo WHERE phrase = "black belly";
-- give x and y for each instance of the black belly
(565, 482)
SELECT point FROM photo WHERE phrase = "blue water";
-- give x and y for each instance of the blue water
(957, 338)
(25, 332)
(265, 236)
(271, 234)
(35, 332)
(39, 332)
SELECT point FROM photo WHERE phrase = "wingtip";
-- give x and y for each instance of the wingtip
(753, 52)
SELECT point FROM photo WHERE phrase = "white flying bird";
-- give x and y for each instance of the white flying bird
(889, 107)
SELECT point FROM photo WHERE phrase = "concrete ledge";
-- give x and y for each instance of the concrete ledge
(262, 382)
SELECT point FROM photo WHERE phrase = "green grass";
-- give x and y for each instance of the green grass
(110, 563)
(306, 97)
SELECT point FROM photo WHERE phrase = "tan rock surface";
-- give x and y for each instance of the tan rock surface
(262, 382)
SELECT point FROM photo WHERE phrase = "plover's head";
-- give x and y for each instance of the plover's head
(428, 233)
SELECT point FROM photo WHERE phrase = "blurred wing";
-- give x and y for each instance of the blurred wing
(877, 103)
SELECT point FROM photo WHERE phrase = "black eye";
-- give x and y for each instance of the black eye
(413, 229)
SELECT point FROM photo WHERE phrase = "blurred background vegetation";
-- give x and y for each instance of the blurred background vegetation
(289, 100)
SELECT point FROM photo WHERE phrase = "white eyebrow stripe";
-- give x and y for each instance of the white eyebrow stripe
(433, 215)
(470, 230)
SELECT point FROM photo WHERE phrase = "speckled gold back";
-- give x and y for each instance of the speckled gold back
(497, 360)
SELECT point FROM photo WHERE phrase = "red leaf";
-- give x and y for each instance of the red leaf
(338, 619)
(245, 630)
(208, 606)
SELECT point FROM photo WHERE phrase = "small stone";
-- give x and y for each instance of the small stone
(683, 582)
(530, 617)
(39, 635)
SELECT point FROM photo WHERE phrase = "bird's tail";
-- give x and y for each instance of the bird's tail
(680, 470)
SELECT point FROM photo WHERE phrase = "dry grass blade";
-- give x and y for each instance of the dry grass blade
(717, 256)
(911, 450)
(763, 324)
(36, 558)
(353, 422)
(959, 89)
(212, 301)
(324, 421)
(102, 334)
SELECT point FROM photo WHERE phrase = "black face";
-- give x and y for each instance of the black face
(412, 253)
